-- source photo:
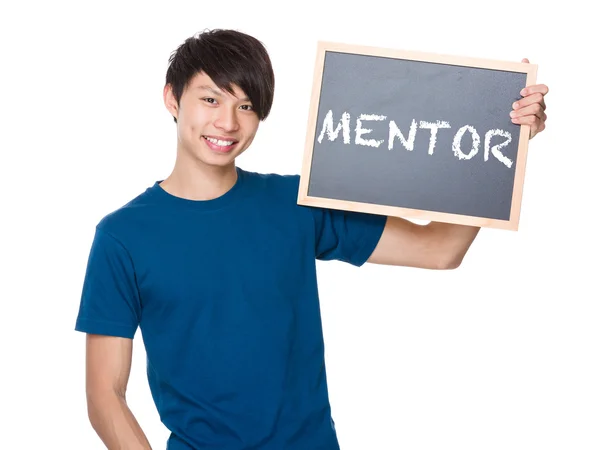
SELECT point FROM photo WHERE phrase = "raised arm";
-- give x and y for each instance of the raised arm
(433, 246)
(444, 245)
(108, 364)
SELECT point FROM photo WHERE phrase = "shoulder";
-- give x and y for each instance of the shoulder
(120, 221)
(279, 193)
(274, 186)
(290, 181)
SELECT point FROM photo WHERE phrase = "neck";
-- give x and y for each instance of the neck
(194, 180)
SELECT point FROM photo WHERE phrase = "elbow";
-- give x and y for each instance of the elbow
(455, 264)
(449, 262)
(99, 404)
(96, 404)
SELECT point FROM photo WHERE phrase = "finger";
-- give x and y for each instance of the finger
(531, 110)
(535, 88)
(525, 60)
(531, 120)
(530, 100)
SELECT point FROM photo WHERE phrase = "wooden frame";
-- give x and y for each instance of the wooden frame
(306, 200)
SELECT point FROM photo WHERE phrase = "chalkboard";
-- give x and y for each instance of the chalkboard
(415, 134)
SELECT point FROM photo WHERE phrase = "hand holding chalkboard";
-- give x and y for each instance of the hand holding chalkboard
(531, 110)
(415, 134)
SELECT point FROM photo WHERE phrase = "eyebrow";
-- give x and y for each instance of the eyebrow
(216, 92)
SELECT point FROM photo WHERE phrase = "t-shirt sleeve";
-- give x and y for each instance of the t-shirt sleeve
(110, 302)
(345, 235)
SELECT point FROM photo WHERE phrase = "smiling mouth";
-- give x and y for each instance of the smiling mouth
(219, 142)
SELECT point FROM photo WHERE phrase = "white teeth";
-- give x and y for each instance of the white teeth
(218, 141)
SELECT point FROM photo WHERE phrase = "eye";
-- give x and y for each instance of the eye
(246, 107)
(210, 100)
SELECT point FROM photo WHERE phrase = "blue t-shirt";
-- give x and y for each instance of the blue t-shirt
(224, 292)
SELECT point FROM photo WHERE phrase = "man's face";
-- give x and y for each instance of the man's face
(213, 126)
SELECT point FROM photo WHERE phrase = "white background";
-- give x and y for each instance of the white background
(503, 353)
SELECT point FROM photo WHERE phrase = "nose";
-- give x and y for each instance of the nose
(226, 119)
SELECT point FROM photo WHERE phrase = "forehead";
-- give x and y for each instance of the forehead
(201, 82)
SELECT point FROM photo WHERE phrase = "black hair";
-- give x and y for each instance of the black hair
(229, 58)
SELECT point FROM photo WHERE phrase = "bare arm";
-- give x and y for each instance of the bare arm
(433, 246)
(444, 245)
(108, 364)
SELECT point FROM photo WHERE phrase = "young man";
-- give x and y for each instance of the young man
(216, 266)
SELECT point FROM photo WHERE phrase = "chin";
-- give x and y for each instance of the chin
(215, 159)
(206, 156)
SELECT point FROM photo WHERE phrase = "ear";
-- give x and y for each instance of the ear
(170, 102)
